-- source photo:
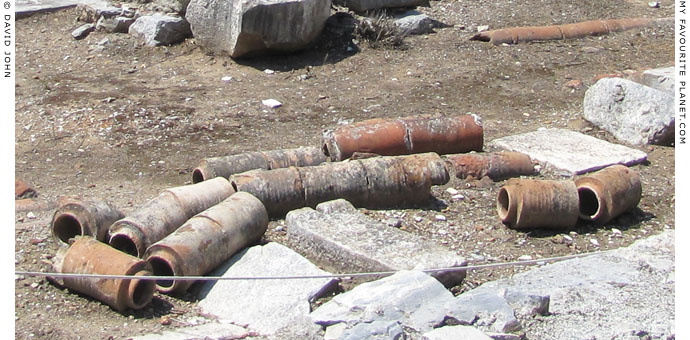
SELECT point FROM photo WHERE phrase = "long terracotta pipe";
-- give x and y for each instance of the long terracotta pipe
(207, 239)
(88, 256)
(515, 35)
(528, 203)
(165, 213)
(607, 193)
(402, 136)
(265, 160)
(84, 217)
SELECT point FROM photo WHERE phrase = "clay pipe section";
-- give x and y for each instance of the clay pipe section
(390, 137)
(371, 183)
(608, 193)
(207, 240)
(165, 213)
(88, 256)
(265, 160)
(516, 35)
(527, 203)
(496, 165)
(78, 218)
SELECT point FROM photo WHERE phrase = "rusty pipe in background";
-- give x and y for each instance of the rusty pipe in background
(607, 193)
(164, 214)
(496, 165)
(89, 256)
(83, 217)
(515, 35)
(375, 182)
(266, 160)
(207, 240)
(402, 136)
(529, 203)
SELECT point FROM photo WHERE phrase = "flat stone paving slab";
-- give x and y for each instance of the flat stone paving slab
(209, 331)
(568, 152)
(345, 238)
(27, 7)
(265, 306)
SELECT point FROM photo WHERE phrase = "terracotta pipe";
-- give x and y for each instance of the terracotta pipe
(165, 213)
(372, 183)
(207, 240)
(608, 193)
(79, 217)
(22, 190)
(280, 190)
(496, 165)
(266, 160)
(88, 256)
(528, 203)
(402, 136)
(515, 35)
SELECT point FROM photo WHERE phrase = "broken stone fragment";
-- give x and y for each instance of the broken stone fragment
(83, 31)
(366, 5)
(245, 28)
(160, 30)
(119, 24)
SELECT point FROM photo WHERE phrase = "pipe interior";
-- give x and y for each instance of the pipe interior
(325, 150)
(125, 244)
(161, 267)
(67, 226)
(197, 176)
(143, 292)
(589, 202)
(503, 203)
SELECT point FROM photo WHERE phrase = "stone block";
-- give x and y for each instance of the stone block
(159, 29)
(568, 152)
(633, 113)
(342, 236)
(265, 306)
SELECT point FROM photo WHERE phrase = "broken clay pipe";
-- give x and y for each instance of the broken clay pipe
(496, 165)
(516, 35)
(207, 240)
(165, 213)
(85, 217)
(607, 193)
(266, 160)
(88, 256)
(402, 136)
(528, 203)
(371, 183)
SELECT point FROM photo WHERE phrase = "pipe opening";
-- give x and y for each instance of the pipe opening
(67, 226)
(197, 176)
(589, 202)
(142, 293)
(161, 267)
(503, 203)
(324, 148)
(234, 186)
(125, 244)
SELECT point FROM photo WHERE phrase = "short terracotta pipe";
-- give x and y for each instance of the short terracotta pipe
(89, 256)
(76, 218)
(165, 213)
(375, 182)
(607, 193)
(207, 240)
(496, 165)
(402, 136)
(266, 160)
(515, 35)
(528, 203)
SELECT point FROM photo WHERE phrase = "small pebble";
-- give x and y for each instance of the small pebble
(269, 71)
(458, 197)
(418, 218)
(280, 228)
(482, 28)
(34, 285)
(567, 238)
(442, 232)
(653, 4)
(594, 242)
(440, 218)
(272, 103)
(30, 215)
(524, 258)
(452, 191)
(226, 79)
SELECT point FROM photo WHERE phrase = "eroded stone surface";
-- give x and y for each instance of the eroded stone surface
(568, 152)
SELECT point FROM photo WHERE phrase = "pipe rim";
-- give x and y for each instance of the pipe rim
(128, 241)
(66, 226)
(506, 206)
(162, 265)
(591, 203)
(140, 292)
(199, 175)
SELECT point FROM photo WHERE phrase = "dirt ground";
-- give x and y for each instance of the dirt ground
(112, 119)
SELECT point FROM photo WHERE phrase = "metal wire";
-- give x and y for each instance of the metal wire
(301, 277)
